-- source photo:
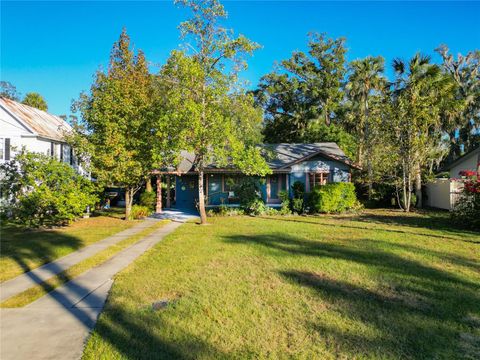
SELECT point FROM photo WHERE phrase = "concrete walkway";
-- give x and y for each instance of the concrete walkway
(38, 275)
(57, 325)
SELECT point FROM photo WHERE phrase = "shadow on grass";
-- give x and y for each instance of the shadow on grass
(415, 311)
(462, 235)
(133, 335)
(23, 245)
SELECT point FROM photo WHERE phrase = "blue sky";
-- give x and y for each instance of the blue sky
(54, 48)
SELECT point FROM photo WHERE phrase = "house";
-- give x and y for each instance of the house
(443, 193)
(22, 126)
(311, 164)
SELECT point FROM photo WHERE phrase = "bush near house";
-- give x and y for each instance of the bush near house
(248, 192)
(39, 190)
(333, 198)
(148, 199)
(139, 212)
(467, 209)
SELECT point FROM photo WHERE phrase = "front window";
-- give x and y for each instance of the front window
(318, 178)
(230, 182)
(2, 148)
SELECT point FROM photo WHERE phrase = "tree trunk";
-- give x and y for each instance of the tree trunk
(148, 184)
(128, 202)
(158, 208)
(418, 187)
(201, 199)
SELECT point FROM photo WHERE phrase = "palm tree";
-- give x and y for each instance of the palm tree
(423, 93)
(366, 80)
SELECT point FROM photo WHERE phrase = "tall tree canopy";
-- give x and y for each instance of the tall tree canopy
(463, 127)
(305, 89)
(9, 91)
(35, 100)
(422, 94)
(117, 121)
(219, 122)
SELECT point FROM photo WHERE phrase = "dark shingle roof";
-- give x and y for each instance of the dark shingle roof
(279, 156)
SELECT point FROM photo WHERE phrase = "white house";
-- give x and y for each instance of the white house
(22, 126)
(444, 193)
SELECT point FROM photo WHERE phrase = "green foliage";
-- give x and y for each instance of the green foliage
(139, 212)
(285, 199)
(35, 100)
(148, 199)
(306, 88)
(40, 190)
(224, 210)
(298, 189)
(218, 120)
(118, 116)
(248, 192)
(318, 131)
(333, 198)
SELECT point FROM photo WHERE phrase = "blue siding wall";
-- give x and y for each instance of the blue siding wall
(187, 185)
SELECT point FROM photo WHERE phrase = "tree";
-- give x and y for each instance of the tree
(421, 95)
(305, 88)
(9, 91)
(117, 121)
(40, 190)
(463, 127)
(35, 100)
(365, 90)
(219, 122)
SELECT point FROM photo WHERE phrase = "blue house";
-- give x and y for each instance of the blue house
(312, 164)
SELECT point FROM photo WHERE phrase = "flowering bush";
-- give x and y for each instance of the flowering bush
(467, 208)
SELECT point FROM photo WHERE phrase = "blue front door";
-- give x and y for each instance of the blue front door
(186, 191)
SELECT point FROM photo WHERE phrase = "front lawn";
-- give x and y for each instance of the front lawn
(379, 285)
(22, 250)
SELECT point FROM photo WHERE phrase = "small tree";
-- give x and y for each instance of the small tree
(118, 120)
(218, 121)
(40, 190)
(35, 100)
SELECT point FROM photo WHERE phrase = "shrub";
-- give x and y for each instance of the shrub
(285, 209)
(467, 208)
(298, 189)
(40, 190)
(139, 212)
(224, 210)
(248, 192)
(148, 199)
(333, 198)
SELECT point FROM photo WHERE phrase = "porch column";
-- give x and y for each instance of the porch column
(159, 194)
(168, 192)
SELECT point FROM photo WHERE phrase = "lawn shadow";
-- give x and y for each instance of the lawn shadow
(464, 235)
(133, 336)
(418, 311)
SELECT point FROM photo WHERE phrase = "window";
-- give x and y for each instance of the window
(66, 154)
(2, 146)
(230, 182)
(214, 184)
(317, 178)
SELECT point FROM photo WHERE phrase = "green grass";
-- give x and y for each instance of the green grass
(22, 250)
(379, 285)
(35, 292)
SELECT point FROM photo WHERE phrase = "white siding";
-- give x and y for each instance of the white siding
(469, 162)
(443, 193)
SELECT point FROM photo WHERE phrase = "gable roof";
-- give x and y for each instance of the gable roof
(37, 121)
(278, 156)
(286, 155)
(462, 158)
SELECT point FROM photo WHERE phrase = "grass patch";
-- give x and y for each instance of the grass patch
(35, 292)
(377, 285)
(22, 250)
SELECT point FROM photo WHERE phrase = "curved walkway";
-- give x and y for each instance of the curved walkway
(57, 325)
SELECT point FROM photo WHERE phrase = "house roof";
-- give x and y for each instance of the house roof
(37, 121)
(278, 156)
(285, 154)
(462, 158)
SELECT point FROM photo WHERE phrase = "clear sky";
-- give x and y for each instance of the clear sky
(54, 48)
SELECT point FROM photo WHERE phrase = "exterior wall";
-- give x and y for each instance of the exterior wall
(186, 186)
(467, 163)
(442, 193)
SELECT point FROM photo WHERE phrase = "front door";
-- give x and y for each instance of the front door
(273, 187)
